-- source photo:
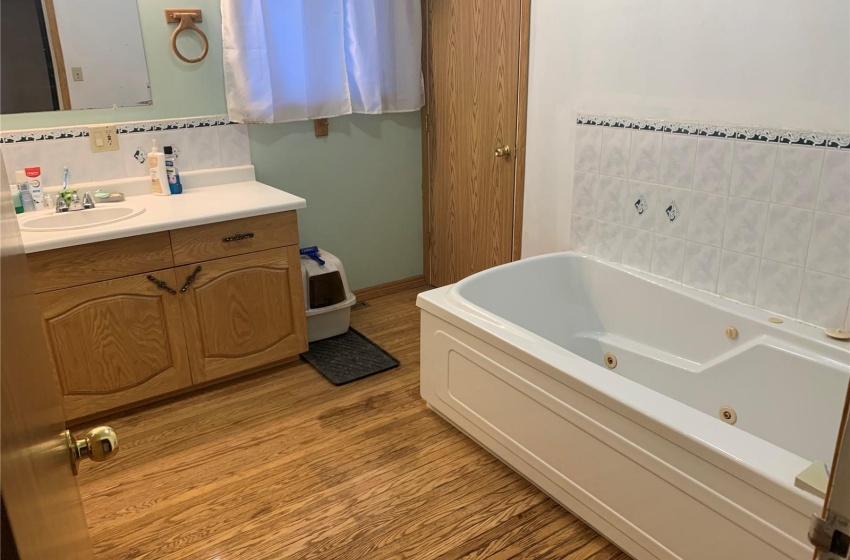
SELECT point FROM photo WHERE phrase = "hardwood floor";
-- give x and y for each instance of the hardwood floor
(286, 465)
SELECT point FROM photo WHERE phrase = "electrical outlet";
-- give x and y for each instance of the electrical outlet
(77, 72)
(103, 138)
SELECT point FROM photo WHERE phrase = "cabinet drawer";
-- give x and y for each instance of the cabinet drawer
(234, 237)
(95, 262)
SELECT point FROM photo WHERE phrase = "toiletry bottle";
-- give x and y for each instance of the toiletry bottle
(34, 178)
(171, 171)
(24, 189)
(16, 198)
(159, 177)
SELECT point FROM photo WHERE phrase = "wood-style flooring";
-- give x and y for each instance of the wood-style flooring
(285, 465)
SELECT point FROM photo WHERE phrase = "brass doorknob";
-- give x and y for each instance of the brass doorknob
(100, 444)
(503, 152)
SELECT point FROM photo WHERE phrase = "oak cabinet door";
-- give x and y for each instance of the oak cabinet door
(243, 312)
(116, 342)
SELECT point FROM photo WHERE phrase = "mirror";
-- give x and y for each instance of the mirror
(71, 54)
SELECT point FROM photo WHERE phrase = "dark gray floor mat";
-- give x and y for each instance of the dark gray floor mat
(347, 357)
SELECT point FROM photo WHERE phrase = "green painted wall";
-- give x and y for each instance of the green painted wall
(363, 183)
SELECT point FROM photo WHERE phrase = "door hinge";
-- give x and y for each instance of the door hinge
(426, 122)
(830, 536)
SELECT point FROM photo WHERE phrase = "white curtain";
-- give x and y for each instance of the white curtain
(289, 60)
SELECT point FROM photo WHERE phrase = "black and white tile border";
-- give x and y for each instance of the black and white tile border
(839, 140)
(123, 128)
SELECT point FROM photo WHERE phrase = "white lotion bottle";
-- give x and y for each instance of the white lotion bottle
(159, 176)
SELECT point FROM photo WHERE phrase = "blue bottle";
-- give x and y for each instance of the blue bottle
(174, 184)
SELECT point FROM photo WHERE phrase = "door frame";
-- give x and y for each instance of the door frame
(519, 141)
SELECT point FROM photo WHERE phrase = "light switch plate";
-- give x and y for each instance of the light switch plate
(77, 72)
(103, 138)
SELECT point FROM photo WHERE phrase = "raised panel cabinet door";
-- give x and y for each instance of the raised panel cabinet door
(244, 312)
(116, 342)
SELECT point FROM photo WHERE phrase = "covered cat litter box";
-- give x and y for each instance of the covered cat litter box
(326, 294)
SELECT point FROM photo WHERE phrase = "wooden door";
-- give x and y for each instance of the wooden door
(239, 312)
(477, 60)
(116, 342)
(39, 490)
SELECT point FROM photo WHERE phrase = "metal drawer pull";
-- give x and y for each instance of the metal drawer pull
(161, 284)
(238, 237)
(190, 279)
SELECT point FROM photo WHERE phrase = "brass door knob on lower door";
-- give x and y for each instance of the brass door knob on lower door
(503, 152)
(100, 444)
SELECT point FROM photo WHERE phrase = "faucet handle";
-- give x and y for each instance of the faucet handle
(61, 205)
(87, 201)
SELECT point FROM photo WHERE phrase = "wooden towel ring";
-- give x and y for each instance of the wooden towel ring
(186, 20)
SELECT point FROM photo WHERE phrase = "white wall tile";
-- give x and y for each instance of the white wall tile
(609, 241)
(197, 148)
(823, 299)
(834, 195)
(738, 277)
(787, 234)
(758, 222)
(677, 160)
(52, 156)
(797, 176)
(615, 152)
(134, 149)
(752, 170)
(647, 193)
(707, 218)
(637, 248)
(847, 319)
(584, 193)
(713, 171)
(673, 212)
(610, 197)
(745, 225)
(668, 257)
(235, 145)
(588, 148)
(107, 165)
(702, 265)
(20, 155)
(828, 249)
(583, 234)
(645, 159)
(779, 287)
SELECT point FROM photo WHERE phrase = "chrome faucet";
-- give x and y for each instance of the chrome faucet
(87, 201)
(61, 205)
(75, 203)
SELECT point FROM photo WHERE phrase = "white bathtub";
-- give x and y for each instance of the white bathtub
(514, 357)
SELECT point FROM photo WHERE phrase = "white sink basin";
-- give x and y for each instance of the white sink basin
(80, 219)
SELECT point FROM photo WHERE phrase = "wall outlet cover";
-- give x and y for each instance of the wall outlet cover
(103, 138)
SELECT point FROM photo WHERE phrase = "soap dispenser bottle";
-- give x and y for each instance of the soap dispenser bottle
(159, 177)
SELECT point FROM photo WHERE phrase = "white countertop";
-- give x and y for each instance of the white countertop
(202, 202)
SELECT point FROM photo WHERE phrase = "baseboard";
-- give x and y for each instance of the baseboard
(390, 288)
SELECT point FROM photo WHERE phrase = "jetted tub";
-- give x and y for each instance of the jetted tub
(518, 358)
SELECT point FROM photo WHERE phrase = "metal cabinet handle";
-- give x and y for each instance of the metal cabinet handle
(190, 279)
(161, 284)
(238, 237)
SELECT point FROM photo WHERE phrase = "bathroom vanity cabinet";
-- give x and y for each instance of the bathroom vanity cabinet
(133, 319)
